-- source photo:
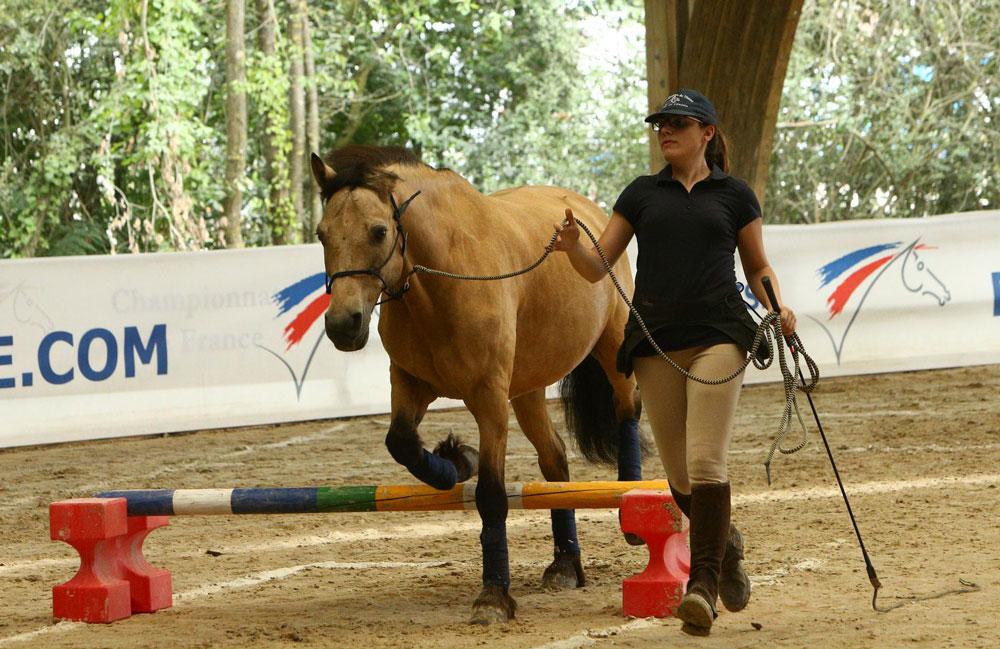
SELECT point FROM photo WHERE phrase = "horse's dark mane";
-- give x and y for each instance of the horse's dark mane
(361, 165)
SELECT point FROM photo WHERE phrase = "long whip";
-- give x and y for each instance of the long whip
(869, 566)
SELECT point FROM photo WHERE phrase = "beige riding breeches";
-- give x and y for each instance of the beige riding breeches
(692, 422)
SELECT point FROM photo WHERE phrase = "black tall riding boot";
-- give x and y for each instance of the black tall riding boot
(710, 508)
(734, 585)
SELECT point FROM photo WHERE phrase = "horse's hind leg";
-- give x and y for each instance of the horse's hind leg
(565, 571)
(627, 406)
(450, 462)
(627, 410)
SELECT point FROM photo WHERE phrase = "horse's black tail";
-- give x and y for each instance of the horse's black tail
(589, 407)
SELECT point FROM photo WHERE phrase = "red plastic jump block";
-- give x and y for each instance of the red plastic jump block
(151, 587)
(114, 580)
(656, 591)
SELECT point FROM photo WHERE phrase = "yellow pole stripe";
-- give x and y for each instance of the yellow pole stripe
(520, 495)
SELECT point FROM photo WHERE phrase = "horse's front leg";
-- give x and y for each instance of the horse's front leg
(494, 603)
(451, 462)
(566, 570)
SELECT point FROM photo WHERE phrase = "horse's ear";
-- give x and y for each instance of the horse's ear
(322, 172)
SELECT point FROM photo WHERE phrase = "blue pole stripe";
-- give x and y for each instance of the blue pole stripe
(155, 502)
(160, 502)
(301, 500)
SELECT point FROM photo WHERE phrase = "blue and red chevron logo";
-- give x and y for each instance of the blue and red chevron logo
(309, 291)
(853, 269)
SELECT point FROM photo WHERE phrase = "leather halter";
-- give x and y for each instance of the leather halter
(397, 215)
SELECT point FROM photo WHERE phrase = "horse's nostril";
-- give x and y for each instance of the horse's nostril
(356, 319)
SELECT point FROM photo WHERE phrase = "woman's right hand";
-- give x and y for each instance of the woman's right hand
(568, 236)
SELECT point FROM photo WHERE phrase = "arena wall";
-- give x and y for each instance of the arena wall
(94, 347)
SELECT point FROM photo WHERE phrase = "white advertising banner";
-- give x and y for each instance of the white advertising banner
(94, 347)
(891, 294)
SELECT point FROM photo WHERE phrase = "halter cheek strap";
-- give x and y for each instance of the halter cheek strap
(397, 215)
(400, 238)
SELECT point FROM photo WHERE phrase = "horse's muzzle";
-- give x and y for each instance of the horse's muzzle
(348, 334)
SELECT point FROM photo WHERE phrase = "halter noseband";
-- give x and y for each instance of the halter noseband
(397, 215)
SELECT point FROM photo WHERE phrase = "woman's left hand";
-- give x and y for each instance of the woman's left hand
(787, 321)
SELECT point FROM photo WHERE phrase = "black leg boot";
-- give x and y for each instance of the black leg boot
(734, 585)
(683, 501)
(710, 508)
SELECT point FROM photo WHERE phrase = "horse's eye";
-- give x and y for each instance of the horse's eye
(379, 232)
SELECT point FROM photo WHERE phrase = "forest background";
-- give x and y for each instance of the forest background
(156, 125)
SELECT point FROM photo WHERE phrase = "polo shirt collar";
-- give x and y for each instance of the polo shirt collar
(665, 175)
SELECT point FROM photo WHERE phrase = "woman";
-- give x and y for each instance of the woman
(688, 220)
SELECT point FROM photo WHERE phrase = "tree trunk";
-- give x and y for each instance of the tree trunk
(275, 168)
(357, 112)
(759, 36)
(297, 109)
(236, 120)
(666, 27)
(312, 115)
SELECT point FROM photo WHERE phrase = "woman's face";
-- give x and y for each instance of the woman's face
(682, 138)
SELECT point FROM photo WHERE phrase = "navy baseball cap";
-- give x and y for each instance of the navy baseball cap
(687, 102)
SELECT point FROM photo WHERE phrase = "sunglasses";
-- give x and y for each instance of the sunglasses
(673, 123)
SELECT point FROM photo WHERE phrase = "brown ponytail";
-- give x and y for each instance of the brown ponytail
(716, 151)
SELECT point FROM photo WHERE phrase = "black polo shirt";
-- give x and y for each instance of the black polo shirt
(686, 246)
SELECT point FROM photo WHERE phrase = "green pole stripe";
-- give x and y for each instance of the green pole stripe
(346, 499)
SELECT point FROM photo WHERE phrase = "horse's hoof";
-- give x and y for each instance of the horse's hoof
(464, 457)
(472, 459)
(487, 615)
(630, 538)
(565, 572)
(494, 605)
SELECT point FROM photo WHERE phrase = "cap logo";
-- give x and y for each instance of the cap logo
(677, 98)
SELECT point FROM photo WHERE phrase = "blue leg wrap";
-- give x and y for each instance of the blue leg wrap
(434, 471)
(496, 568)
(564, 531)
(629, 450)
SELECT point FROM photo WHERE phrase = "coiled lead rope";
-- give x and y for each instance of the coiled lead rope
(770, 321)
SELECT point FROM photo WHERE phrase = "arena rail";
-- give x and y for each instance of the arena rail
(115, 580)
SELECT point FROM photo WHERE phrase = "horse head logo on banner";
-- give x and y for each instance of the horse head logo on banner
(855, 274)
(25, 310)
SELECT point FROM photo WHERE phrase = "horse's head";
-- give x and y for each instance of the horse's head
(362, 246)
(918, 278)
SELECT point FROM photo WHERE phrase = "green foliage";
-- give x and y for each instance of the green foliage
(91, 120)
(888, 111)
(110, 143)
(506, 94)
(269, 215)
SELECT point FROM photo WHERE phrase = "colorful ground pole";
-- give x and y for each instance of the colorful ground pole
(115, 580)
(372, 498)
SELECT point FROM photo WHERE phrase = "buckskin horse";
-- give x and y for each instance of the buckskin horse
(488, 343)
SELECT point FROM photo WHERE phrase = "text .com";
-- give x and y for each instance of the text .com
(95, 355)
